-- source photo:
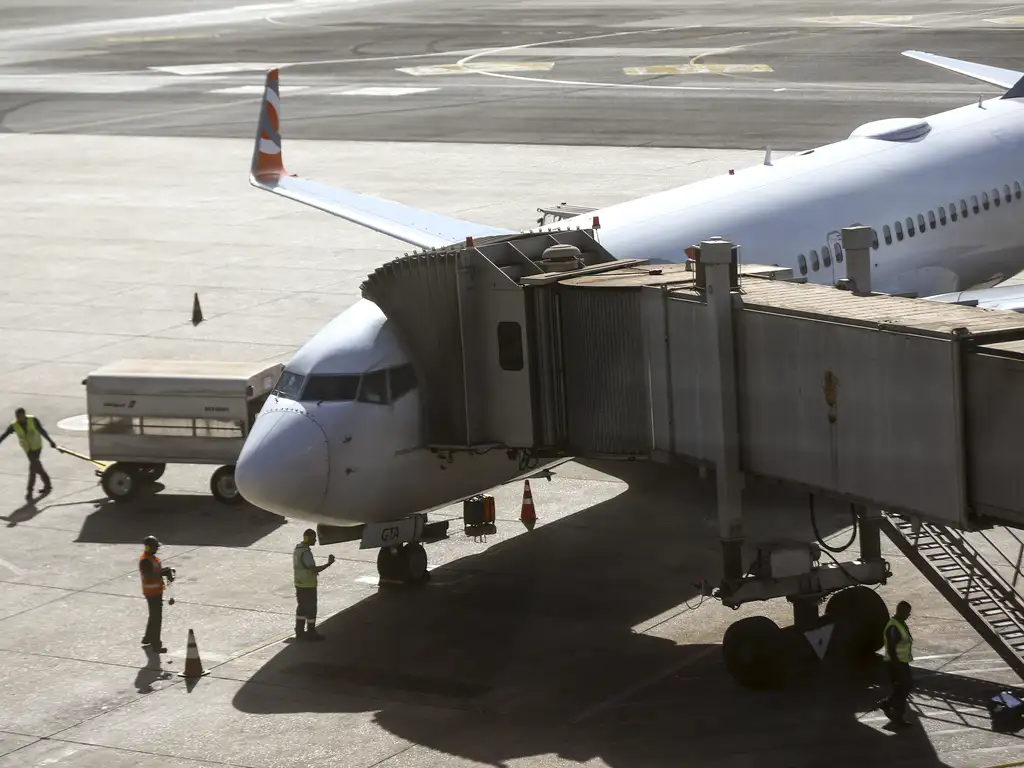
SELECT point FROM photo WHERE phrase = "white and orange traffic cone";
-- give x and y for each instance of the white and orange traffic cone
(193, 664)
(528, 515)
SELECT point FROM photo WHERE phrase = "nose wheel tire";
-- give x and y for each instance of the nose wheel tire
(223, 488)
(120, 482)
(406, 564)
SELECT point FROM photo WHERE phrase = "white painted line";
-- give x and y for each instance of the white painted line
(257, 90)
(189, 70)
(639, 53)
(1013, 20)
(12, 568)
(621, 696)
(78, 423)
(697, 69)
(479, 67)
(382, 91)
(856, 19)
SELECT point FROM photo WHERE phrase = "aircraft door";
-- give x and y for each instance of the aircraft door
(833, 257)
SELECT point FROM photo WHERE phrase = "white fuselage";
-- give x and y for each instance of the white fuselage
(356, 460)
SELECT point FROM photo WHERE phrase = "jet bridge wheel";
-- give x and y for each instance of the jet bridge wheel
(406, 564)
(860, 615)
(756, 653)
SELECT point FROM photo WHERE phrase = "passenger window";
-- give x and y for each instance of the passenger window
(510, 346)
(801, 260)
(920, 222)
(374, 388)
(963, 208)
(289, 385)
(974, 204)
(1016, 189)
(1006, 193)
(931, 220)
(910, 225)
(331, 388)
(815, 264)
(837, 250)
(887, 234)
(942, 214)
(899, 231)
(995, 198)
(402, 379)
(826, 256)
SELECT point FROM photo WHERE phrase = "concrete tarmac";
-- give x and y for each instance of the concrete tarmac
(581, 642)
(790, 74)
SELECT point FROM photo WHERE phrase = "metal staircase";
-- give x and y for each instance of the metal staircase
(970, 582)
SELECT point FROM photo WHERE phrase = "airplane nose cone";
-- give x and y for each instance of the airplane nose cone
(283, 467)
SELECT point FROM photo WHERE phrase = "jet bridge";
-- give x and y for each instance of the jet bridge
(545, 345)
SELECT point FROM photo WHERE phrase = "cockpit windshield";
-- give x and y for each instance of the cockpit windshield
(289, 385)
(381, 387)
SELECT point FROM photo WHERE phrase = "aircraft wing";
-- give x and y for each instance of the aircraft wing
(1006, 297)
(412, 225)
(1004, 78)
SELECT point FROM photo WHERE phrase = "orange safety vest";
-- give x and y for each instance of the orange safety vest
(152, 586)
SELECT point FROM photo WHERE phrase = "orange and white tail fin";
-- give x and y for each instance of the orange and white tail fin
(267, 160)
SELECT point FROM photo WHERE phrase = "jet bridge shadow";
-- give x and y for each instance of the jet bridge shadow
(176, 519)
(549, 643)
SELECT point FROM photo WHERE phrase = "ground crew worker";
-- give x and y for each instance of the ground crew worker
(306, 571)
(898, 655)
(153, 575)
(30, 435)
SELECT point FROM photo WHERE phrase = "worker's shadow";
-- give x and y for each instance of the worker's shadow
(582, 638)
(22, 514)
(150, 673)
(179, 519)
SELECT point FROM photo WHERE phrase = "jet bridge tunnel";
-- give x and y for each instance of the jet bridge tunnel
(546, 345)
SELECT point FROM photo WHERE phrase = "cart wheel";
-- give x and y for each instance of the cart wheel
(150, 473)
(120, 482)
(223, 488)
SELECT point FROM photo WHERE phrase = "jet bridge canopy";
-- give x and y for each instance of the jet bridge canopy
(896, 402)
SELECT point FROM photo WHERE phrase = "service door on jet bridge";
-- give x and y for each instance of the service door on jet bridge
(833, 258)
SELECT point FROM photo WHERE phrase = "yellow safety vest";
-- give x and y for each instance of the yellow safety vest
(903, 647)
(28, 436)
(304, 577)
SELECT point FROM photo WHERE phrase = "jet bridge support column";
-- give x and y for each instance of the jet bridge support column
(718, 268)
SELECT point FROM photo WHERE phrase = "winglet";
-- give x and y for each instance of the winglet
(1009, 79)
(267, 159)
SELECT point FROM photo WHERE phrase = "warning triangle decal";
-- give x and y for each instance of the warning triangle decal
(819, 638)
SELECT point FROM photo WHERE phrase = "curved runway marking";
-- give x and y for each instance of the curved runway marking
(586, 83)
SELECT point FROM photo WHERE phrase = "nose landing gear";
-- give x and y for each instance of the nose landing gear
(404, 563)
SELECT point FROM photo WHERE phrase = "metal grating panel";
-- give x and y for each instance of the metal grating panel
(606, 387)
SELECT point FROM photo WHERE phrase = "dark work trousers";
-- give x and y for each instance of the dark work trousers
(156, 618)
(902, 682)
(35, 466)
(305, 611)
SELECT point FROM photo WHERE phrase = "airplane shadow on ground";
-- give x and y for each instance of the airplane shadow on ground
(177, 519)
(528, 648)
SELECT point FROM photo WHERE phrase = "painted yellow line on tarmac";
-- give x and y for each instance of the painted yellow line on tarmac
(1012, 20)
(697, 69)
(479, 66)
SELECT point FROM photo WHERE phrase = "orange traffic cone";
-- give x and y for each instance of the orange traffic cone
(528, 515)
(193, 664)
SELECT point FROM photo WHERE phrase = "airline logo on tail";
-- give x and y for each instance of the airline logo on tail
(267, 163)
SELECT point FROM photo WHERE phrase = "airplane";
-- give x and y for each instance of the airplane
(338, 441)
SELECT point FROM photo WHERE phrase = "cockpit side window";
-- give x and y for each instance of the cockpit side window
(289, 385)
(375, 387)
(331, 388)
(402, 380)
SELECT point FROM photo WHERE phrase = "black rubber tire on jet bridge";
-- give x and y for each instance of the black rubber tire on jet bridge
(860, 615)
(755, 653)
